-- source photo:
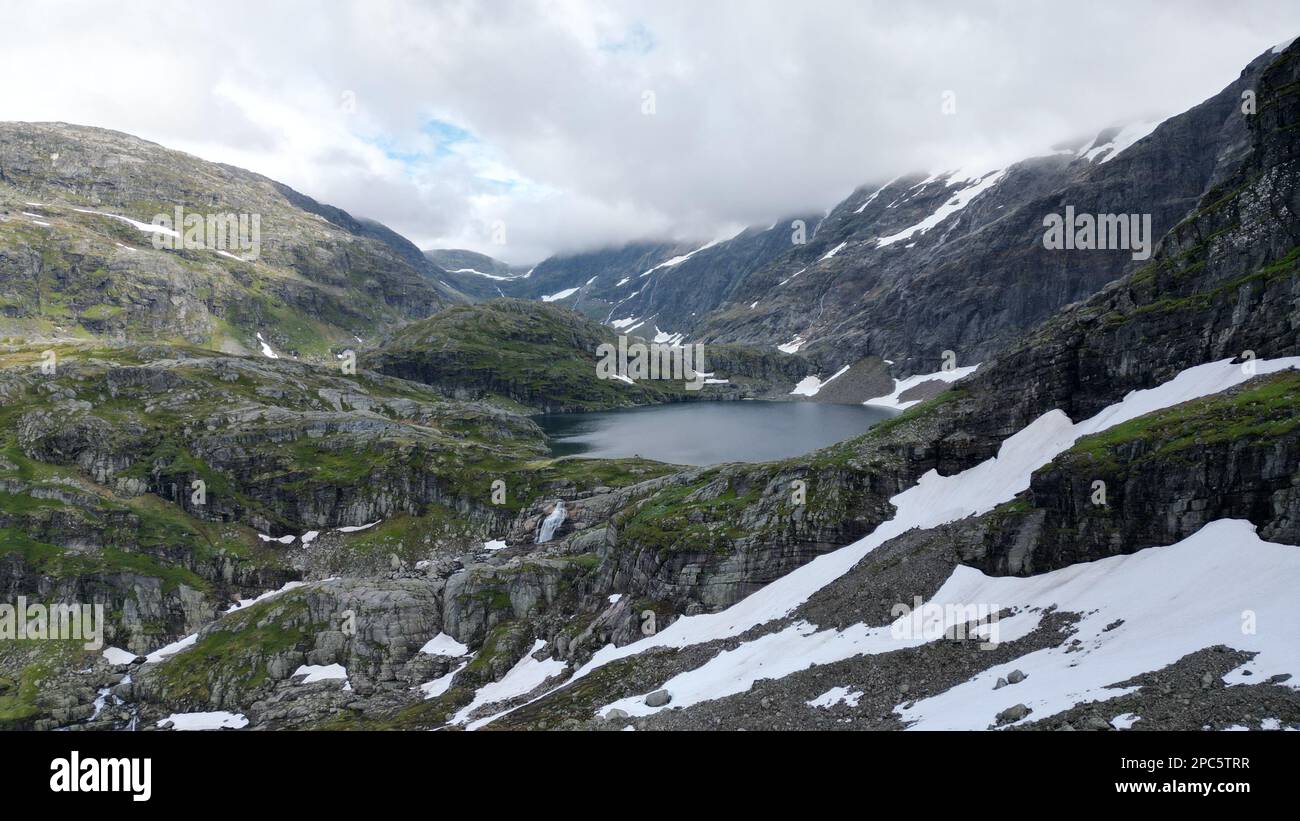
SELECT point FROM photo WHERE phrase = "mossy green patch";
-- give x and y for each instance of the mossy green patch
(681, 518)
(237, 651)
(1268, 407)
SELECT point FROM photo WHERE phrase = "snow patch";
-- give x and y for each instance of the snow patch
(872, 198)
(266, 349)
(440, 685)
(836, 695)
(810, 385)
(793, 345)
(527, 674)
(444, 645)
(901, 386)
(680, 259)
(666, 338)
(242, 603)
(834, 250)
(1127, 136)
(954, 204)
(556, 297)
(147, 227)
(1124, 721)
(1173, 600)
(482, 274)
(358, 528)
(172, 649)
(116, 656)
(792, 276)
(217, 720)
(321, 672)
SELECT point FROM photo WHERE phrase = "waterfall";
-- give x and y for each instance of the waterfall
(551, 523)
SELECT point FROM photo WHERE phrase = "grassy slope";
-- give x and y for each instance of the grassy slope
(517, 351)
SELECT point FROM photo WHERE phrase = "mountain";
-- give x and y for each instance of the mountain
(661, 289)
(477, 275)
(78, 257)
(1071, 536)
(568, 278)
(1123, 607)
(956, 260)
(927, 263)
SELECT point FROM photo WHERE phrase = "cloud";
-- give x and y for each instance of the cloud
(446, 119)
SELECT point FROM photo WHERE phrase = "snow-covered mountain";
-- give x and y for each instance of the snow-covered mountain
(909, 268)
(954, 260)
(659, 289)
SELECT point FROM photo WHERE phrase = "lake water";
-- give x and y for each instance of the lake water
(708, 433)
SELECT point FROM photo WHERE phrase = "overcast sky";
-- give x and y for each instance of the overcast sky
(578, 124)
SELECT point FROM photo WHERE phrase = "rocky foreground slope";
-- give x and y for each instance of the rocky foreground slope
(168, 482)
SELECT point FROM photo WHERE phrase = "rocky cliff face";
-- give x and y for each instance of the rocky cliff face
(142, 476)
(1156, 481)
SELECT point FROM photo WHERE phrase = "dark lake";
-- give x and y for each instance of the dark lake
(708, 433)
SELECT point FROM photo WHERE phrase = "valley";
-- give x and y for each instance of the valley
(343, 483)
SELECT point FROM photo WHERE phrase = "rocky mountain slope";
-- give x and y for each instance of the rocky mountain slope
(956, 261)
(78, 258)
(907, 269)
(661, 289)
(168, 482)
